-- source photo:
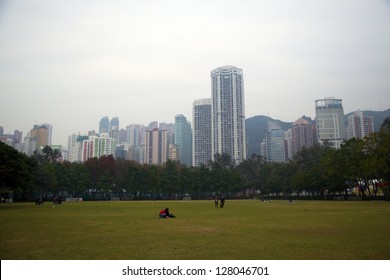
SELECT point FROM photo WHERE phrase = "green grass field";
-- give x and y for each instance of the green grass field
(246, 229)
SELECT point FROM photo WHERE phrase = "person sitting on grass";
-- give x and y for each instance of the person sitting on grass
(163, 214)
(169, 215)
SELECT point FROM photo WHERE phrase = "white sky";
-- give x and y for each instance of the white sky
(68, 63)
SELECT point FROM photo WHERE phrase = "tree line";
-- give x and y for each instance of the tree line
(362, 165)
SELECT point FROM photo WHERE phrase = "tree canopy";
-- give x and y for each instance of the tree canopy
(362, 165)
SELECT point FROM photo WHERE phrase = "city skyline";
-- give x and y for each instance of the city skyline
(70, 64)
(64, 142)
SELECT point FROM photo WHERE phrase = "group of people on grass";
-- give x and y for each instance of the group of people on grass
(164, 213)
(40, 199)
(220, 199)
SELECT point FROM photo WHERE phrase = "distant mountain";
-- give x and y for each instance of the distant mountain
(256, 127)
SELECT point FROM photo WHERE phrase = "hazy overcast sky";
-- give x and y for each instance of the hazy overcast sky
(68, 63)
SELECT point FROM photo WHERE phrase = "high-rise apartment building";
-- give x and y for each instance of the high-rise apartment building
(107, 145)
(288, 143)
(228, 113)
(90, 148)
(75, 144)
(38, 137)
(122, 136)
(49, 128)
(170, 128)
(173, 151)
(42, 133)
(156, 147)
(201, 140)
(30, 144)
(97, 146)
(114, 124)
(14, 140)
(330, 121)
(135, 138)
(134, 134)
(183, 139)
(115, 134)
(303, 135)
(104, 125)
(18, 136)
(153, 125)
(359, 125)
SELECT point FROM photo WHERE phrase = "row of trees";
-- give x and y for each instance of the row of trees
(362, 164)
(106, 177)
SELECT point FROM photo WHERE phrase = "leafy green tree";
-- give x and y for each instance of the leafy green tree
(231, 182)
(354, 159)
(221, 161)
(151, 181)
(62, 171)
(79, 179)
(17, 172)
(249, 171)
(286, 172)
(263, 179)
(105, 183)
(382, 153)
(92, 165)
(278, 178)
(371, 161)
(216, 181)
(201, 182)
(47, 155)
(335, 173)
(107, 163)
(187, 184)
(46, 180)
(309, 175)
(134, 178)
(120, 184)
(171, 178)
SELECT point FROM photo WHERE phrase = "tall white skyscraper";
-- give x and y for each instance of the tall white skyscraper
(330, 121)
(228, 113)
(201, 140)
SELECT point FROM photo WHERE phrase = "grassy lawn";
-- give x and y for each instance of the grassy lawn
(249, 229)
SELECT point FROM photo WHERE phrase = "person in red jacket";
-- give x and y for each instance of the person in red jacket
(163, 214)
